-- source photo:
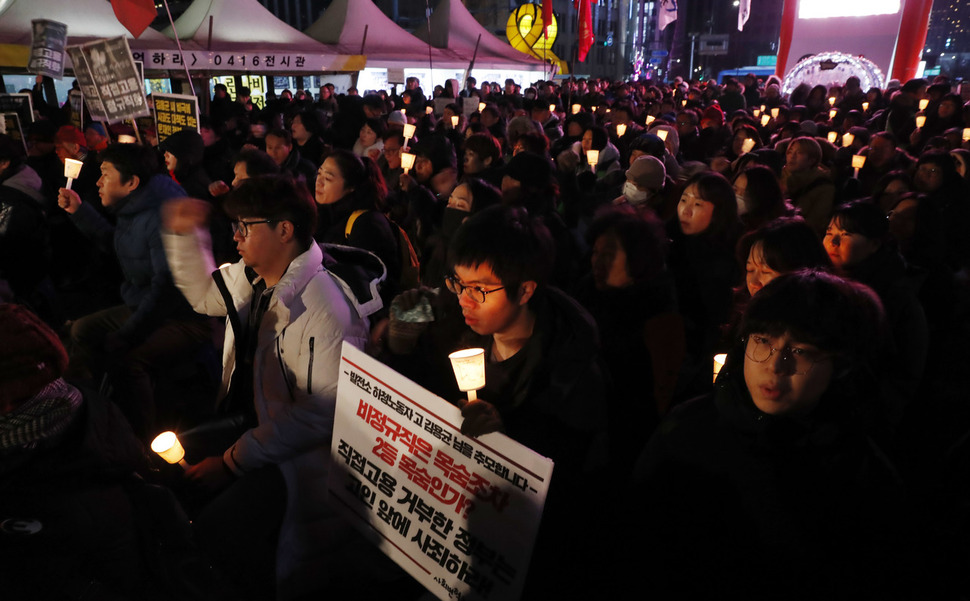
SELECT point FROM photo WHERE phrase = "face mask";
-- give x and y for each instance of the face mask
(634, 195)
(451, 220)
(742, 207)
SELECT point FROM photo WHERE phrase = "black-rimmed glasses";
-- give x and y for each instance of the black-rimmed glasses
(476, 293)
(242, 227)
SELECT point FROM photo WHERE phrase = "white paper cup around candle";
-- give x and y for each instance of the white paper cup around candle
(552, 108)
(428, 110)
(683, 102)
(620, 129)
(858, 162)
(481, 106)
(920, 120)
(747, 146)
(662, 134)
(757, 112)
(576, 108)
(865, 106)
(454, 120)
(592, 157)
(764, 120)
(469, 366)
(831, 100)
(650, 119)
(72, 169)
(832, 114)
(718, 364)
(409, 129)
(126, 139)
(169, 448)
(774, 112)
(923, 104)
(763, 108)
(832, 137)
(407, 161)
(847, 140)
(403, 112)
(594, 108)
(966, 134)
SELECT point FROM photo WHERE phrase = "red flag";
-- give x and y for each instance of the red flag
(135, 15)
(546, 17)
(585, 28)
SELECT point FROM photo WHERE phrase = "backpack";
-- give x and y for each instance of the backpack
(410, 265)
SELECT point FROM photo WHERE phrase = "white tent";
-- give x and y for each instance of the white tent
(245, 36)
(454, 28)
(386, 45)
(86, 20)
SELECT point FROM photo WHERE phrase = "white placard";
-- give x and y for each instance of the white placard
(459, 514)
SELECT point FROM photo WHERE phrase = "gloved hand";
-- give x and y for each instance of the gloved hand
(481, 417)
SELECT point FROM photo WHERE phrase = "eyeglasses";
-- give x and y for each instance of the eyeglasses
(476, 293)
(800, 360)
(242, 227)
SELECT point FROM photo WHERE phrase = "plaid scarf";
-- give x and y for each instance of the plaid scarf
(41, 419)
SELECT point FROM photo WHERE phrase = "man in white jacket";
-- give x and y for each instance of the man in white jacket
(287, 317)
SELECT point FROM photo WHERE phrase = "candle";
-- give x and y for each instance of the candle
(762, 108)
(764, 120)
(858, 161)
(169, 448)
(126, 139)
(72, 169)
(832, 114)
(757, 113)
(407, 161)
(832, 136)
(774, 112)
(454, 120)
(966, 134)
(592, 157)
(428, 110)
(469, 366)
(552, 108)
(865, 106)
(620, 129)
(576, 108)
(847, 140)
(831, 100)
(747, 145)
(924, 103)
(481, 106)
(662, 134)
(650, 119)
(920, 120)
(683, 102)
(718, 364)
(409, 129)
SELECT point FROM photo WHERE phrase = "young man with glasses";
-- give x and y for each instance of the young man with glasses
(769, 487)
(544, 383)
(287, 318)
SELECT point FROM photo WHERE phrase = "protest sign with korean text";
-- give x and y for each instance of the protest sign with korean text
(76, 102)
(459, 514)
(47, 48)
(109, 80)
(10, 125)
(175, 112)
(20, 104)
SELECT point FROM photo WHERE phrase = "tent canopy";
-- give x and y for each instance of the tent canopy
(254, 39)
(86, 20)
(387, 45)
(454, 28)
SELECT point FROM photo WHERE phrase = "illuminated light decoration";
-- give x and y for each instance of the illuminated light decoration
(524, 32)
(833, 68)
(825, 9)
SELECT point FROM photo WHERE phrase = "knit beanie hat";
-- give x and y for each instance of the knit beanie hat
(715, 114)
(31, 356)
(647, 172)
(69, 133)
(530, 169)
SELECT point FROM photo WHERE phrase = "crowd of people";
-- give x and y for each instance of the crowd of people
(601, 240)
